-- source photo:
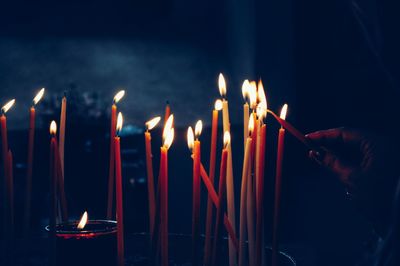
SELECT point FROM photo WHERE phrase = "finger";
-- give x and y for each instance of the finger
(335, 136)
(333, 163)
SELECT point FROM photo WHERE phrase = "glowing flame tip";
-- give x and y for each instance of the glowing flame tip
(190, 138)
(120, 121)
(83, 221)
(152, 122)
(38, 96)
(227, 138)
(283, 112)
(198, 128)
(53, 128)
(218, 105)
(119, 96)
(222, 85)
(7, 106)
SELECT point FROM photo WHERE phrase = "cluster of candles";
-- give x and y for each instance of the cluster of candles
(247, 249)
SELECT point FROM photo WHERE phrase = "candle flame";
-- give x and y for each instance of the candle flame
(245, 89)
(227, 139)
(119, 96)
(190, 138)
(253, 95)
(53, 128)
(169, 138)
(7, 106)
(152, 122)
(261, 93)
(83, 221)
(251, 124)
(167, 127)
(283, 112)
(218, 105)
(222, 85)
(38, 96)
(198, 128)
(261, 110)
(120, 121)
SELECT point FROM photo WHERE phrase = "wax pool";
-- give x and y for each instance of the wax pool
(96, 244)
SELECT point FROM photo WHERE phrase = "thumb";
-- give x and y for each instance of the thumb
(334, 164)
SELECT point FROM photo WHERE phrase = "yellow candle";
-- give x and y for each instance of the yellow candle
(230, 190)
(243, 195)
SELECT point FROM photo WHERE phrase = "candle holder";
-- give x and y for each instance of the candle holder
(96, 244)
(180, 251)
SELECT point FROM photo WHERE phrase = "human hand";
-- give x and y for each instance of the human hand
(365, 163)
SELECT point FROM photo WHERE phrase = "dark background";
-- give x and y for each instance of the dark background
(334, 62)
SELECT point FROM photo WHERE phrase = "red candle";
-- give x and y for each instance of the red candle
(31, 138)
(118, 186)
(53, 187)
(168, 136)
(7, 189)
(10, 182)
(221, 199)
(150, 176)
(278, 183)
(111, 166)
(211, 173)
(196, 193)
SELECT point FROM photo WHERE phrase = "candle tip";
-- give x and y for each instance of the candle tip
(227, 138)
(7, 106)
(190, 138)
(283, 112)
(120, 121)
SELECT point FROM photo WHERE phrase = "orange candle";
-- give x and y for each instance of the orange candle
(31, 139)
(111, 165)
(278, 184)
(245, 93)
(211, 173)
(150, 176)
(119, 196)
(221, 199)
(168, 136)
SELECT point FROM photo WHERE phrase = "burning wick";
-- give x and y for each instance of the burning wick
(83, 221)
(119, 96)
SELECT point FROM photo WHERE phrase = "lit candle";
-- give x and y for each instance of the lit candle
(260, 163)
(111, 166)
(7, 221)
(150, 176)
(86, 242)
(278, 184)
(211, 173)
(168, 137)
(31, 141)
(221, 198)
(194, 146)
(243, 194)
(119, 196)
(11, 193)
(230, 189)
(245, 93)
(53, 188)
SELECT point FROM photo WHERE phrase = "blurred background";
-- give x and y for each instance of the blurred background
(335, 62)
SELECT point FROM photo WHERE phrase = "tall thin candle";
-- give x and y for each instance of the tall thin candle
(111, 165)
(150, 176)
(243, 194)
(278, 184)
(7, 189)
(168, 137)
(61, 137)
(119, 196)
(53, 188)
(211, 173)
(221, 198)
(196, 193)
(31, 142)
(230, 189)
(245, 93)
